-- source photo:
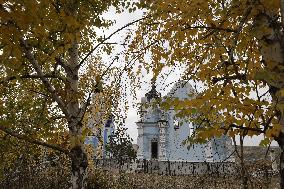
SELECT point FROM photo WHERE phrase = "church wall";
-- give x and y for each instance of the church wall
(222, 150)
(150, 132)
(176, 149)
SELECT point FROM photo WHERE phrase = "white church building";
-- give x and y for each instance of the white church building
(161, 134)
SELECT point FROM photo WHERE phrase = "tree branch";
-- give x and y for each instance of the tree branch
(28, 76)
(239, 76)
(83, 109)
(247, 128)
(209, 28)
(47, 84)
(107, 38)
(33, 141)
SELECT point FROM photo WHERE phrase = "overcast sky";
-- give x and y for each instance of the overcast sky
(132, 115)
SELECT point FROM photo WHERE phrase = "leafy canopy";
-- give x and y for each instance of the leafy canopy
(229, 47)
(48, 32)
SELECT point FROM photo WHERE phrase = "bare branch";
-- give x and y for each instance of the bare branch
(106, 70)
(107, 38)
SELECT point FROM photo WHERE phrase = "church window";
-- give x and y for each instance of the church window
(108, 123)
(191, 130)
(176, 124)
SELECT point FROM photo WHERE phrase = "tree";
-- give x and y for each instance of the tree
(47, 77)
(120, 146)
(234, 49)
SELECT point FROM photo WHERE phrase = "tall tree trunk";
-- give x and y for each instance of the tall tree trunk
(280, 138)
(272, 50)
(77, 153)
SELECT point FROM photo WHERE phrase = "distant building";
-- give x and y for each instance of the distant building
(161, 133)
(100, 138)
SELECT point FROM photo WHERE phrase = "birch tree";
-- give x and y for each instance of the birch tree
(47, 79)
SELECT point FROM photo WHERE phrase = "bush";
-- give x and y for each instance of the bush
(29, 172)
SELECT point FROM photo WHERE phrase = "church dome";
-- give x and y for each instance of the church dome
(182, 90)
(152, 94)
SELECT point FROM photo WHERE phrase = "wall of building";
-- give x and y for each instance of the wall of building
(177, 150)
(151, 132)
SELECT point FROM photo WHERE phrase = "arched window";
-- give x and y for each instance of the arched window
(176, 123)
(191, 129)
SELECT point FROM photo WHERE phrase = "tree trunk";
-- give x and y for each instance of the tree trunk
(79, 167)
(282, 167)
(280, 138)
(75, 109)
(272, 48)
(77, 153)
(244, 177)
